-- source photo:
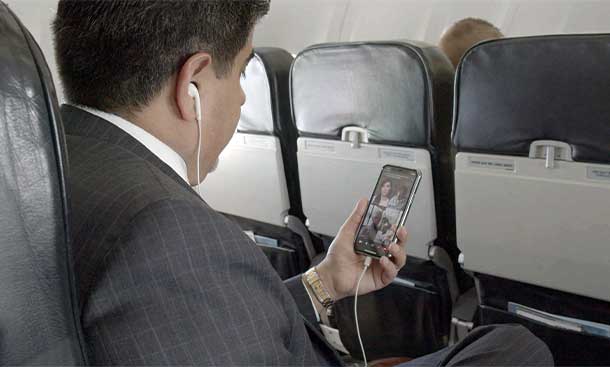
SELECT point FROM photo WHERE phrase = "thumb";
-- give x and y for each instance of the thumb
(352, 223)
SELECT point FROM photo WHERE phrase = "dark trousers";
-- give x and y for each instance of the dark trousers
(492, 345)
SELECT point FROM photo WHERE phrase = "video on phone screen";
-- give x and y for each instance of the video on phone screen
(385, 211)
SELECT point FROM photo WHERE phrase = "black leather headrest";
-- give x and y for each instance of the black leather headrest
(512, 92)
(37, 298)
(388, 88)
(267, 108)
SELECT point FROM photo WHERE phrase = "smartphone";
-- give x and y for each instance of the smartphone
(388, 209)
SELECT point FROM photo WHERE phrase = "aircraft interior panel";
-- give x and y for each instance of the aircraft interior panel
(425, 20)
(531, 186)
(326, 204)
(557, 221)
(256, 190)
(296, 24)
(255, 182)
(249, 180)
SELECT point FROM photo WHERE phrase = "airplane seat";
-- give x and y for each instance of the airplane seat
(357, 107)
(256, 182)
(39, 318)
(532, 186)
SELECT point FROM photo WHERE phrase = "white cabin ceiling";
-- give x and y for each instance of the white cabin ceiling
(296, 24)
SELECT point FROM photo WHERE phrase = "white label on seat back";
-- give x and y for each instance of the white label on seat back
(249, 181)
(257, 141)
(598, 173)
(319, 146)
(334, 176)
(492, 163)
(549, 227)
(406, 155)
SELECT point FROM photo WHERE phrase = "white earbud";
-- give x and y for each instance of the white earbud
(194, 92)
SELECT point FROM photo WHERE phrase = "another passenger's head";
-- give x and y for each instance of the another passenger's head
(464, 34)
(136, 58)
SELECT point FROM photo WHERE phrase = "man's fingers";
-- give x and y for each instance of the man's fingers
(388, 271)
(355, 218)
(399, 255)
(402, 235)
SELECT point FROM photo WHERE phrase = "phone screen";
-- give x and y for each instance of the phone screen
(388, 206)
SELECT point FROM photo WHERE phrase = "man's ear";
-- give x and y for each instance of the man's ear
(194, 70)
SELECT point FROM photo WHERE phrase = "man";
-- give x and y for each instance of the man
(163, 278)
(462, 35)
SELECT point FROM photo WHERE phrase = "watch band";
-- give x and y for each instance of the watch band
(315, 283)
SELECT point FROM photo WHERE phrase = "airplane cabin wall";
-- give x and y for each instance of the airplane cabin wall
(296, 24)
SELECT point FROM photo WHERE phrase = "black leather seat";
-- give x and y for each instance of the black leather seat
(399, 94)
(532, 184)
(265, 124)
(262, 154)
(357, 107)
(276, 64)
(39, 323)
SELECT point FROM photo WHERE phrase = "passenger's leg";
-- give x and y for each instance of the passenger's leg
(492, 345)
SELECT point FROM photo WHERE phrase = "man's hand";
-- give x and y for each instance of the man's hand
(341, 267)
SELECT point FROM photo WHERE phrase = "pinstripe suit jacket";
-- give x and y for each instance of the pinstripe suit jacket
(164, 279)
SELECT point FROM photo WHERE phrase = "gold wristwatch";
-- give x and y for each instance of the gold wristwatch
(315, 283)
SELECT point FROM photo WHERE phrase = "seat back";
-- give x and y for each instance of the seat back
(38, 313)
(533, 165)
(360, 106)
(257, 176)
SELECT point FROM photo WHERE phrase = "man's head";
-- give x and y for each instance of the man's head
(136, 58)
(464, 34)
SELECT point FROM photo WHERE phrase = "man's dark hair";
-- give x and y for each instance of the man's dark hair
(116, 55)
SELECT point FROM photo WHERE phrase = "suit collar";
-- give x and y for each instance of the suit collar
(82, 123)
(164, 152)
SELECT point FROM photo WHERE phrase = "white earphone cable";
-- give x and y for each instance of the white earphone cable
(194, 92)
(367, 263)
(198, 156)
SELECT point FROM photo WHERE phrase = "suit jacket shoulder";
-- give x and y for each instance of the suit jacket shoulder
(164, 278)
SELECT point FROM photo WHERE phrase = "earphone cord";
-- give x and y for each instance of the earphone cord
(367, 263)
(198, 155)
